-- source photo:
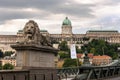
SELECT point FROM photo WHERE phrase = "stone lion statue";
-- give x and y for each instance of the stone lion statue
(32, 35)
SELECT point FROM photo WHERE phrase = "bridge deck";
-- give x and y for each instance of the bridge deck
(115, 78)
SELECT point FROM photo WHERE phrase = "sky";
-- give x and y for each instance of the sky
(49, 14)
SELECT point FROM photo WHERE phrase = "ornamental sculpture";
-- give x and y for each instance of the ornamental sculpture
(32, 35)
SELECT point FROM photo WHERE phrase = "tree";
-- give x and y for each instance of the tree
(101, 47)
(8, 66)
(63, 46)
(0, 66)
(54, 42)
(92, 50)
(8, 53)
(86, 38)
(78, 50)
(1, 54)
(63, 55)
(70, 62)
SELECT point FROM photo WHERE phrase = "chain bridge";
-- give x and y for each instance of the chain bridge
(89, 73)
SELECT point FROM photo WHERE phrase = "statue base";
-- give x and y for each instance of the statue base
(86, 62)
(34, 56)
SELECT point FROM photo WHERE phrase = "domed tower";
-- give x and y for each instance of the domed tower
(66, 26)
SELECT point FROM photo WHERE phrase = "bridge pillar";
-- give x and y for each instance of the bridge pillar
(35, 53)
(34, 56)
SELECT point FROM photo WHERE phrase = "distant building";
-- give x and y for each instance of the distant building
(81, 56)
(101, 60)
(9, 60)
(96, 60)
(111, 36)
(6, 41)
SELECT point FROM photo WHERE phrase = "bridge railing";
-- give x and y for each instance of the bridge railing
(89, 73)
(35, 74)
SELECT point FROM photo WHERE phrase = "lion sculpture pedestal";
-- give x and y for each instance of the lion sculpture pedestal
(34, 50)
(34, 56)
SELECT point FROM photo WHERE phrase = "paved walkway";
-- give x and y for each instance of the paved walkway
(116, 78)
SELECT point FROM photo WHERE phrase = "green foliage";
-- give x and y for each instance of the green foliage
(8, 53)
(1, 54)
(63, 54)
(0, 66)
(92, 50)
(63, 46)
(78, 50)
(85, 39)
(54, 42)
(78, 42)
(115, 56)
(8, 66)
(101, 47)
(70, 63)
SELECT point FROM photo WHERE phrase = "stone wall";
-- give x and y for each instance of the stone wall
(43, 74)
(29, 74)
(14, 75)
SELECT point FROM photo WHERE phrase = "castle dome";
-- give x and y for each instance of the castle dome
(66, 22)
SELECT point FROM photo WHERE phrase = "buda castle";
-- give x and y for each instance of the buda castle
(111, 36)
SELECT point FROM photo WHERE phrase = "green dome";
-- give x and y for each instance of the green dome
(66, 22)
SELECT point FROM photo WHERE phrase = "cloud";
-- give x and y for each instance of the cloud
(13, 25)
(49, 6)
(84, 14)
(98, 2)
(14, 13)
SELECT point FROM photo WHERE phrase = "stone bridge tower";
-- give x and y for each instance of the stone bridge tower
(35, 49)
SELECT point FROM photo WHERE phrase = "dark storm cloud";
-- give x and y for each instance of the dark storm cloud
(83, 10)
(18, 9)
(13, 15)
(7, 5)
(67, 7)
(17, 14)
(31, 3)
(49, 6)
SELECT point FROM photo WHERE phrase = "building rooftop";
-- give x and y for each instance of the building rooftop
(66, 22)
(81, 55)
(20, 30)
(89, 31)
(40, 31)
(102, 57)
(43, 31)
